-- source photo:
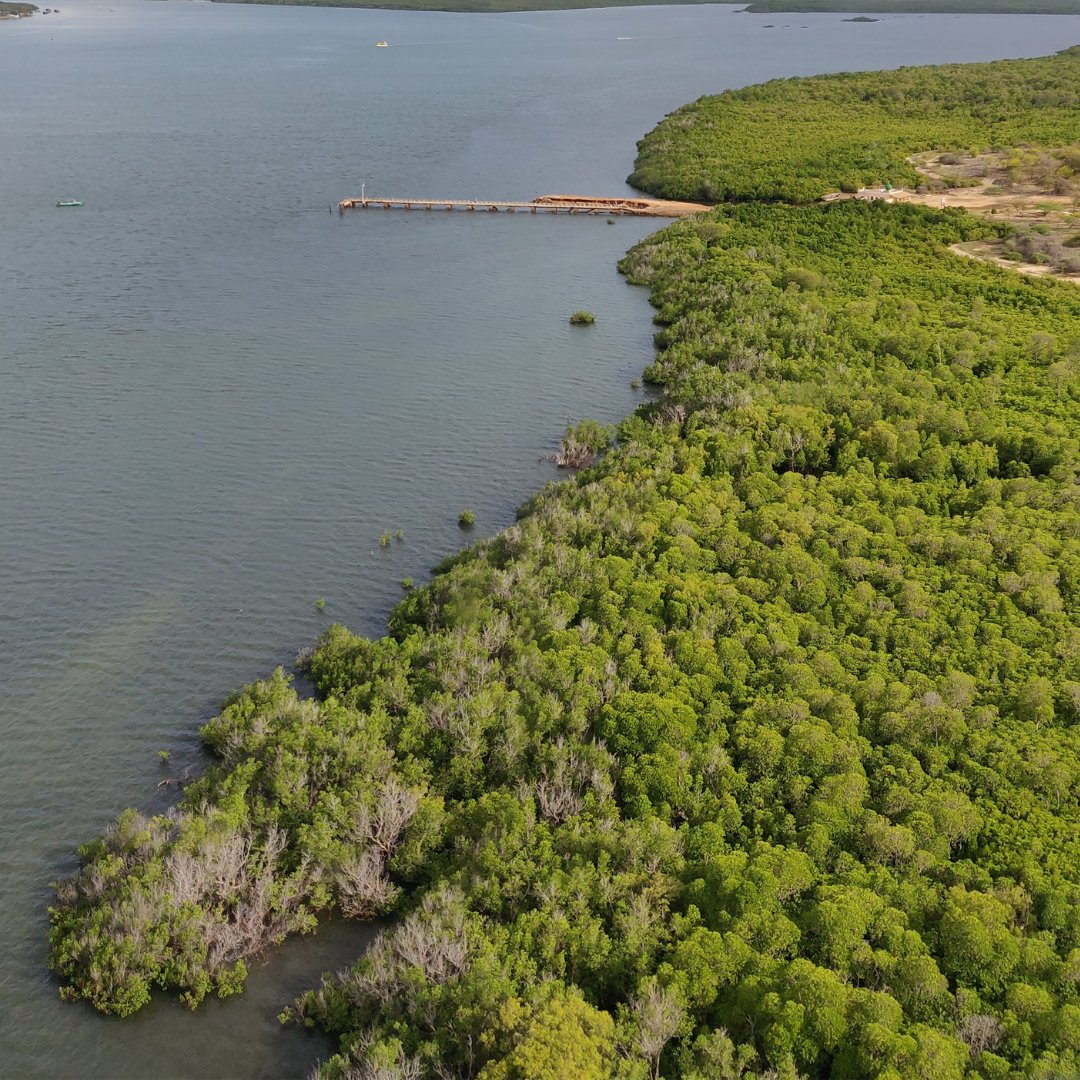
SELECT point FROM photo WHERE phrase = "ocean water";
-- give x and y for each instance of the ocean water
(216, 394)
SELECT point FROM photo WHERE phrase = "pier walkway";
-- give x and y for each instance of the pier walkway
(545, 204)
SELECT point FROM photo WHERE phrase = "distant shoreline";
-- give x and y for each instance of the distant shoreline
(477, 7)
(16, 11)
(910, 7)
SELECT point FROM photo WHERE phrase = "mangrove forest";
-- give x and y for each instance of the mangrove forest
(752, 749)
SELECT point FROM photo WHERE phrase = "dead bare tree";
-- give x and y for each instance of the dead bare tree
(658, 1014)
(572, 454)
(560, 790)
(981, 1032)
(434, 938)
(363, 887)
(364, 1064)
(394, 807)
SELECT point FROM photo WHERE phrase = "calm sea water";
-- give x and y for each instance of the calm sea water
(215, 395)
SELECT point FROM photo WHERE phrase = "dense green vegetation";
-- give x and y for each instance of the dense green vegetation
(797, 139)
(960, 7)
(752, 750)
(7, 8)
(756, 744)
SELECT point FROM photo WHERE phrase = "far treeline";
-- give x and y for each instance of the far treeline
(751, 751)
(798, 139)
(7, 8)
(473, 6)
(1023, 7)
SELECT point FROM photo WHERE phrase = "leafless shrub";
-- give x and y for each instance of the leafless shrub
(493, 636)
(560, 795)
(363, 887)
(572, 454)
(980, 1032)
(394, 807)
(744, 358)
(564, 782)
(658, 1015)
(258, 902)
(671, 412)
(402, 1069)
(368, 1064)
(439, 711)
(642, 912)
(434, 938)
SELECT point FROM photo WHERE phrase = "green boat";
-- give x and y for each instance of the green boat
(69, 202)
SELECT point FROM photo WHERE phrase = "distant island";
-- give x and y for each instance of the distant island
(923, 7)
(16, 11)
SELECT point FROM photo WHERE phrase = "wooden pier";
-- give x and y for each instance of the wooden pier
(545, 204)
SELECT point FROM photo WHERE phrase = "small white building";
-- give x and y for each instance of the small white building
(881, 194)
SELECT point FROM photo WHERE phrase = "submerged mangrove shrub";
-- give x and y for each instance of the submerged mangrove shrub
(581, 443)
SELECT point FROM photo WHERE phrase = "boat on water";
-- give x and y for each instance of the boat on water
(69, 202)
(382, 44)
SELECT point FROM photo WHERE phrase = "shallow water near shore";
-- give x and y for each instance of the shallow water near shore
(216, 394)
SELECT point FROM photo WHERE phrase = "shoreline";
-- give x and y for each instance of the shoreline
(484, 7)
(762, 7)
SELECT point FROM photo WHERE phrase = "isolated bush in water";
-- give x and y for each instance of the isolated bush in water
(581, 443)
